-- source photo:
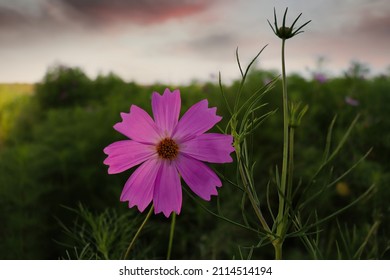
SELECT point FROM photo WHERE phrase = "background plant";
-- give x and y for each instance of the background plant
(52, 156)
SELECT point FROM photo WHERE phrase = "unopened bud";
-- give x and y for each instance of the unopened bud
(285, 32)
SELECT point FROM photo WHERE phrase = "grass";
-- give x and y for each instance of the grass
(12, 96)
(9, 92)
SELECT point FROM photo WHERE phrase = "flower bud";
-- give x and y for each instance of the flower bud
(285, 32)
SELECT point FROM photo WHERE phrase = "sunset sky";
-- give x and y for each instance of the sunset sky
(176, 41)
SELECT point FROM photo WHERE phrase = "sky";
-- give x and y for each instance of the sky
(179, 41)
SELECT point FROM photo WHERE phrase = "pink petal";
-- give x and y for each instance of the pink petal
(123, 155)
(139, 126)
(167, 195)
(166, 110)
(210, 147)
(198, 176)
(197, 120)
(139, 187)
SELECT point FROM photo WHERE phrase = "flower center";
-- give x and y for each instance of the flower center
(167, 149)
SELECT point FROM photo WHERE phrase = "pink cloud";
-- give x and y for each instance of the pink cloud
(132, 11)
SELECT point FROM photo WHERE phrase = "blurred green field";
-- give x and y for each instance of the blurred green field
(9, 91)
(57, 200)
(11, 96)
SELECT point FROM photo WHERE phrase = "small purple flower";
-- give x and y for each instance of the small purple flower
(351, 101)
(319, 77)
(168, 149)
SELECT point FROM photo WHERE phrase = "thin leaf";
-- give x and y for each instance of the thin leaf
(344, 139)
(223, 94)
(238, 62)
(329, 140)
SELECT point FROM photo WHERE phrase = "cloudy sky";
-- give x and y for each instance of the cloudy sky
(176, 41)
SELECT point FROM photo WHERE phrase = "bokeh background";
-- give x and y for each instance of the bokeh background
(70, 67)
(175, 41)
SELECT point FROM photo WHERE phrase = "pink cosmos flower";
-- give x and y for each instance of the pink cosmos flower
(351, 101)
(168, 148)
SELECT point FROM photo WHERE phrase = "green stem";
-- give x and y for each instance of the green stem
(290, 162)
(290, 176)
(282, 195)
(171, 234)
(278, 249)
(255, 207)
(138, 232)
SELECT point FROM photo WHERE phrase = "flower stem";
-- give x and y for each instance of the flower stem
(290, 166)
(138, 232)
(278, 249)
(282, 194)
(171, 234)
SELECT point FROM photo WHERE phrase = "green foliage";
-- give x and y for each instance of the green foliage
(63, 87)
(102, 236)
(51, 154)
